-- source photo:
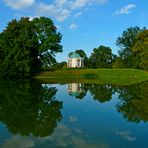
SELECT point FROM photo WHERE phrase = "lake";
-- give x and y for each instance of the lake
(73, 115)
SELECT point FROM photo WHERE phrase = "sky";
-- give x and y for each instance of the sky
(84, 24)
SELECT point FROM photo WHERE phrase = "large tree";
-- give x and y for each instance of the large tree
(101, 57)
(125, 42)
(48, 40)
(140, 49)
(27, 46)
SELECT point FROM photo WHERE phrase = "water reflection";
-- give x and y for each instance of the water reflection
(101, 93)
(77, 90)
(132, 103)
(35, 117)
(29, 108)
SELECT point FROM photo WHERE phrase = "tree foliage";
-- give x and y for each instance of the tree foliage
(140, 49)
(27, 46)
(83, 55)
(125, 43)
(101, 57)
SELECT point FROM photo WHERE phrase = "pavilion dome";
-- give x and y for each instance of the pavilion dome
(74, 55)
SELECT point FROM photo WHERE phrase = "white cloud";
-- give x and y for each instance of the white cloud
(19, 4)
(53, 11)
(58, 9)
(126, 135)
(73, 26)
(73, 119)
(78, 14)
(62, 9)
(125, 9)
(82, 3)
(18, 142)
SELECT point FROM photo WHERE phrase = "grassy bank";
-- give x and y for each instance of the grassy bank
(97, 76)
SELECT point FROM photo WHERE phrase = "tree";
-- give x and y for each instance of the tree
(83, 55)
(27, 46)
(101, 57)
(60, 65)
(140, 49)
(125, 43)
(48, 40)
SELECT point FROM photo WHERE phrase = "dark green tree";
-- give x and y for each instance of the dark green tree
(83, 55)
(27, 46)
(140, 49)
(48, 40)
(58, 65)
(101, 57)
(125, 42)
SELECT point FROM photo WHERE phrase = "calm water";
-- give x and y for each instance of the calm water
(73, 115)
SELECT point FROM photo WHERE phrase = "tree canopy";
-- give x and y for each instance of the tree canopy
(27, 46)
(101, 57)
(125, 42)
(140, 49)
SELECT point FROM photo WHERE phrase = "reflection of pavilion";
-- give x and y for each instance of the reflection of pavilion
(75, 89)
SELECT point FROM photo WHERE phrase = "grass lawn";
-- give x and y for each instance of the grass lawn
(96, 76)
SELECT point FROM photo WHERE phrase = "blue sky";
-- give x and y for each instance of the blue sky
(84, 24)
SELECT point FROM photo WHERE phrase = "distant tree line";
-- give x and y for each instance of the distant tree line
(29, 46)
(132, 53)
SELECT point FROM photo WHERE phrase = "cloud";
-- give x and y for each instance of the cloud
(62, 9)
(18, 142)
(19, 4)
(73, 26)
(125, 9)
(126, 135)
(57, 9)
(82, 3)
(73, 137)
(52, 10)
(73, 118)
(78, 14)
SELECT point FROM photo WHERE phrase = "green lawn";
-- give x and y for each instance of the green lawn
(97, 76)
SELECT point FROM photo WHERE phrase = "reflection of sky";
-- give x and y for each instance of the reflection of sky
(86, 123)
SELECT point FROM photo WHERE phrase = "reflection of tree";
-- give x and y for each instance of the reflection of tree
(29, 108)
(102, 93)
(134, 102)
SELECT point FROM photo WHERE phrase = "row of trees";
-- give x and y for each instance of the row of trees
(133, 52)
(101, 57)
